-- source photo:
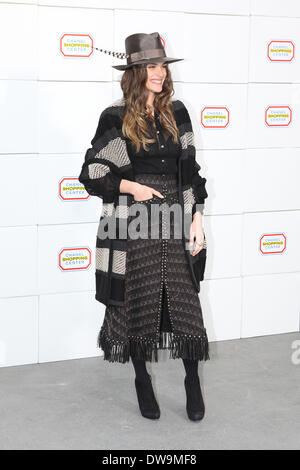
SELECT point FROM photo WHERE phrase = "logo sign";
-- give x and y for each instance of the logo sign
(214, 117)
(76, 45)
(70, 189)
(162, 41)
(271, 243)
(278, 116)
(71, 259)
(281, 51)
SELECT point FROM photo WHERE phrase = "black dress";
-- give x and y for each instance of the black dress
(161, 162)
(158, 286)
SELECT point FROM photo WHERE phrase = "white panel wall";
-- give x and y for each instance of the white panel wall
(267, 29)
(50, 106)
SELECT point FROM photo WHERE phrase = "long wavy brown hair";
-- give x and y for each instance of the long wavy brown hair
(135, 93)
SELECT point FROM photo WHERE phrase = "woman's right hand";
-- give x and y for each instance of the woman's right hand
(143, 193)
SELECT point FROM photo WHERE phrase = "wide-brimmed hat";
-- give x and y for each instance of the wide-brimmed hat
(141, 48)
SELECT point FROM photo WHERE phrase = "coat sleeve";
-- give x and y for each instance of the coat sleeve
(199, 190)
(197, 181)
(100, 173)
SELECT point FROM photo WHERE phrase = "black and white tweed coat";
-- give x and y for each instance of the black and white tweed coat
(106, 163)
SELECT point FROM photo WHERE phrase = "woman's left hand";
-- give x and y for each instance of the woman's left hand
(196, 234)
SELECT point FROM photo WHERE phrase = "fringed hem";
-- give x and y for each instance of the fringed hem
(180, 345)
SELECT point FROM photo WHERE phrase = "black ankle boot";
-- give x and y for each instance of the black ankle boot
(146, 398)
(194, 401)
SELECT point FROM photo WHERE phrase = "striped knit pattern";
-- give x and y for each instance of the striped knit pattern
(106, 163)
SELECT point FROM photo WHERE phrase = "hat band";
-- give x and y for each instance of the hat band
(149, 54)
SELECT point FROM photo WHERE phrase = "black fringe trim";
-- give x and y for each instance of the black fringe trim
(180, 346)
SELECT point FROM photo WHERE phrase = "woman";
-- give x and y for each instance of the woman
(161, 308)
